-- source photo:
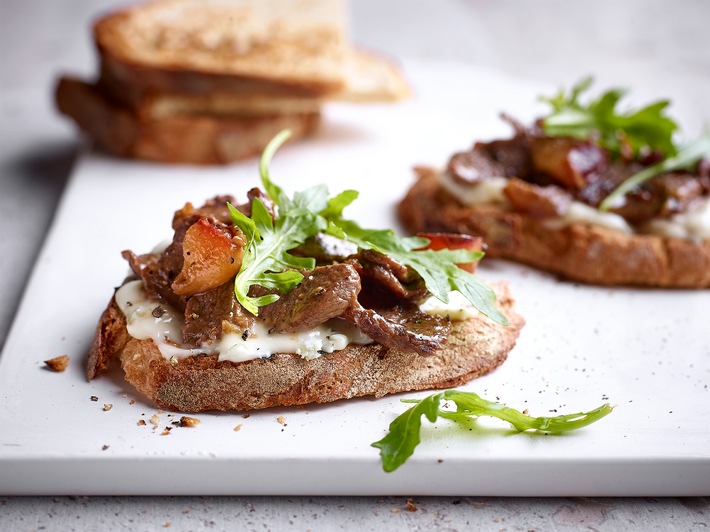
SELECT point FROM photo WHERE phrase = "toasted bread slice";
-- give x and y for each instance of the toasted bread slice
(581, 252)
(369, 78)
(474, 347)
(203, 46)
(179, 139)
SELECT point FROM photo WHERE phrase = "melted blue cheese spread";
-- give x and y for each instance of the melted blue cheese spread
(147, 319)
(692, 225)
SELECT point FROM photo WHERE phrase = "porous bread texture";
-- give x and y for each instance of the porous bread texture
(292, 42)
(474, 347)
(193, 139)
(580, 252)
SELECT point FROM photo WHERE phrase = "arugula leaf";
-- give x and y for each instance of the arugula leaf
(437, 268)
(268, 263)
(404, 432)
(684, 160)
(647, 128)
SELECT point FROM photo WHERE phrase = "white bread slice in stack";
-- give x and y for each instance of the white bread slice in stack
(211, 81)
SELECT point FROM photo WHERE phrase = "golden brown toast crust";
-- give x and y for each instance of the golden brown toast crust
(202, 46)
(474, 348)
(579, 252)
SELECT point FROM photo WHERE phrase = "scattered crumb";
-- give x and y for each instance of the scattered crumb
(245, 416)
(58, 364)
(410, 506)
(161, 412)
(168, 524)
(154, 419)
(141, 422)
(281, 420)
(94, 398)
(187, 421)
(238, 427)
(104, 447)
(108, 407)
(166, 431)
(525, 411)
(132, 402)
(186, 510)
(395, 510)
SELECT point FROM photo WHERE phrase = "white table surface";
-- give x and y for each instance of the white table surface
(660, 48)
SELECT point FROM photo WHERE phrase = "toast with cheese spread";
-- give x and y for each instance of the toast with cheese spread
(282, 301)
(574, 205)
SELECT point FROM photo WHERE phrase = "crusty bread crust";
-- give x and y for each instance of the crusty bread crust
(474, 348)
(179, 139)
(579, 252)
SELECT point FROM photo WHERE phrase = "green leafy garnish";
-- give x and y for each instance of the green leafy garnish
(639, 130)
(437, 268)
(404, 432)
(267, 261)
(685, 159)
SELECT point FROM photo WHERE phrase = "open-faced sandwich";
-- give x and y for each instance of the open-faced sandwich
(589, 193)
(282, 301)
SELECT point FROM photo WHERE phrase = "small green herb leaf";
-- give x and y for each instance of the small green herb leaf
(647, 128)
(404, 432)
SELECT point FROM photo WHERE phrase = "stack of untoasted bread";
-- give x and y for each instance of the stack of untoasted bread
(212, 81)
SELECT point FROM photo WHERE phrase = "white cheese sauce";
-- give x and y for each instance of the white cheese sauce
(457, 309)
(693, 225)
(147, 318)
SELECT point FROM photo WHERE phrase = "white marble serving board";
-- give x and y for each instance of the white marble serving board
(645, 351)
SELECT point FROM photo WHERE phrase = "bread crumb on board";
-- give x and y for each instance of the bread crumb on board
(58, 364)
(187, 421)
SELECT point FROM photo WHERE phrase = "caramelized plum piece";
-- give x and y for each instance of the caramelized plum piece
(455, 241)
(539, 202)
(572, 163)
(212, 256)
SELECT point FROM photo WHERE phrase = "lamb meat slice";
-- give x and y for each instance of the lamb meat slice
(662, 196)
(679, 190)
(386, 282)
(325, 293)
(211, 314)
(403, 327)
(157, 272)
(537, 201)
(612, 176)
(499, 158)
